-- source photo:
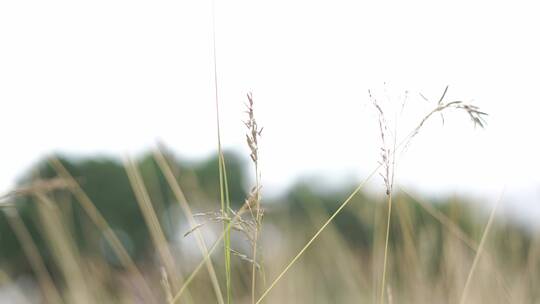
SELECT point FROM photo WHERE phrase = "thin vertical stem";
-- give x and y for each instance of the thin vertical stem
(256, 236)
(227, 240)
(223, 188)
(383, 281)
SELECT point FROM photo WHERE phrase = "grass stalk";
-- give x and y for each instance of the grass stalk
(97, 218)
(182, 201)
(446, 222)
(64, 250)
(385, 258)
(190, 278)
(479, 251)
(223, 188)
(226, 207)
(254, 198)
(315, 236)
(255, 238)
(443, 220)
(30, 250)
(152, 222)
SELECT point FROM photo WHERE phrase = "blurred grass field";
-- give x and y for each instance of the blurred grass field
(53, 250)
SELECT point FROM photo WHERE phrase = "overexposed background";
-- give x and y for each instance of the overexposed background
(110, 77)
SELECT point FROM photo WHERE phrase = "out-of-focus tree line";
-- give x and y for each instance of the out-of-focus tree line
(105, 181)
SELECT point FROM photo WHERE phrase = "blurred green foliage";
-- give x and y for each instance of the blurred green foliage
(106, 183)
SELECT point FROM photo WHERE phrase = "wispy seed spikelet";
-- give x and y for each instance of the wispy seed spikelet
(254, 197)
(387, 150)
(388, 138)
(253, 130)
(473, 111)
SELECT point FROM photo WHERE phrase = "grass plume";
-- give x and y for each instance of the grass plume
(254, 199)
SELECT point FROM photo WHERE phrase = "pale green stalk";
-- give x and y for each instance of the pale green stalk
(256, 236)
(345, 203)
(223, 188)
(383, 281)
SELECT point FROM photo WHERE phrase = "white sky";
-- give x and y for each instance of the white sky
(113, 76)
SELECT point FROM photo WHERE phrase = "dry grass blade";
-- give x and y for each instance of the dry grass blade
(65, 252)
(459, 234)
(97, 218)
(49, 290)
(165, 168)
(444, 220)
(152, 222)
(480, 249)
